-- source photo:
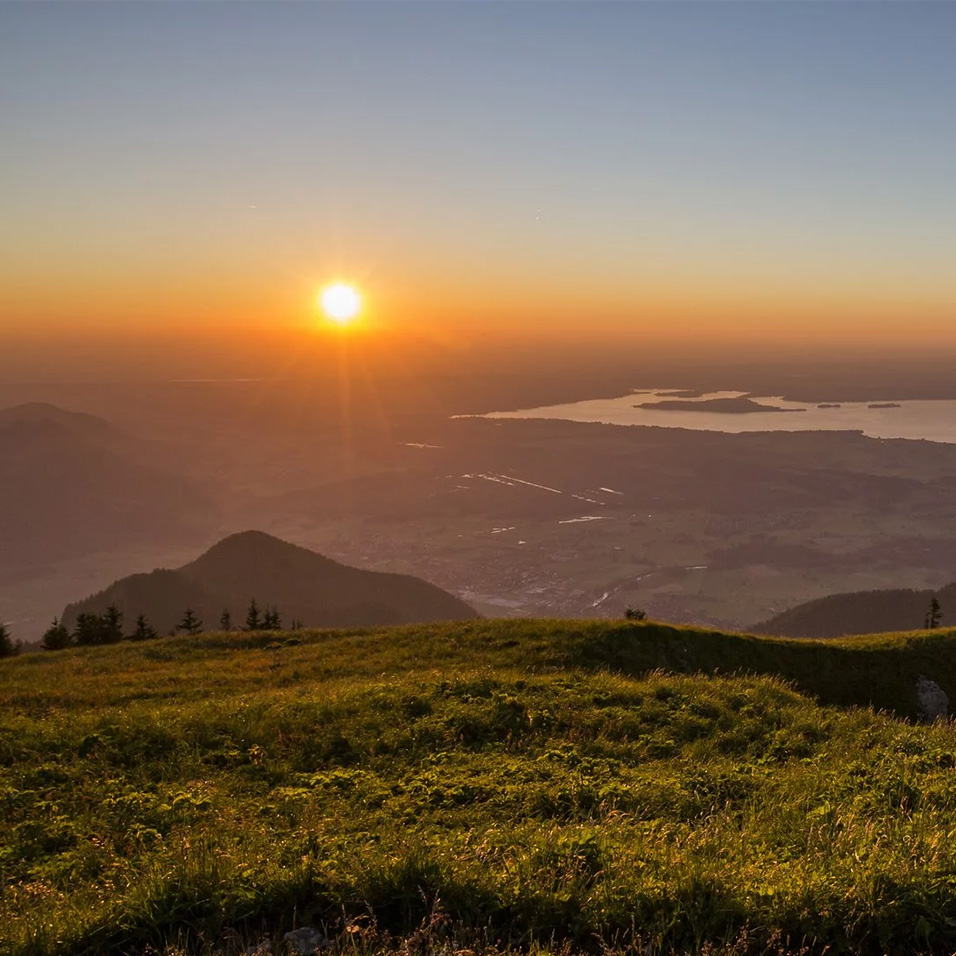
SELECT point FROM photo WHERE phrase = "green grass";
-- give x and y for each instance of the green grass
(533, 785)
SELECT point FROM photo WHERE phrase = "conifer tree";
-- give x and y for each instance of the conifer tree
(225, 620)
(271, 620)
(190, 623)
(934, 615)
(253, 621)
(88, 629)
(7, 646)
(144, 631)
(111, 625)
(56, 637)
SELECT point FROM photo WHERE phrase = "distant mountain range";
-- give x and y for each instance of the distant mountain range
(71, 483)
(36, 416)
(301, 584)
(861, 612)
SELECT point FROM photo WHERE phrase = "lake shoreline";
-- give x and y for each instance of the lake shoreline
(736, 412)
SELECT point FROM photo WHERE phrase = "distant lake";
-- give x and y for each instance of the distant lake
(930, 420)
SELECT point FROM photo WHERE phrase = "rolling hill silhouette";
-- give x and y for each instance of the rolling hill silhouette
(35, 416)
(71, 483)
(303, 585)
(860, 612)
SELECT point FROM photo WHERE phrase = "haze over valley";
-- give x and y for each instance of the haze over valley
(516, 516)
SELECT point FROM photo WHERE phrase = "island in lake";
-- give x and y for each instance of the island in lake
(735, 406)
(885, 405)
(683, 393)
(830, 405)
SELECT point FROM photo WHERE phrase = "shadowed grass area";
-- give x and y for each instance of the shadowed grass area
(510, 784)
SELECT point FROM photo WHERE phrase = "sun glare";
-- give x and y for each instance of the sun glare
(340, 302)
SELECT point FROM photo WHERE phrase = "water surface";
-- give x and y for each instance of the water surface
(918, 419)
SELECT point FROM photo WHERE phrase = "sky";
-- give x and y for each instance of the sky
(643, 171)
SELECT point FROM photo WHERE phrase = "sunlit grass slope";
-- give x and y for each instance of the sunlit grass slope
(520, 784)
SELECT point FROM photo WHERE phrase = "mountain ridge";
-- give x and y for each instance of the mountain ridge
(303, 585)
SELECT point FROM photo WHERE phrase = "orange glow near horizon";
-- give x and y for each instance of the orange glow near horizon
(402, 301)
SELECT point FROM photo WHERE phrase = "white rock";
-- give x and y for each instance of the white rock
(931, 699)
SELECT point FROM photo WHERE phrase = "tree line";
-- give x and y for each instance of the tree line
(107, 628)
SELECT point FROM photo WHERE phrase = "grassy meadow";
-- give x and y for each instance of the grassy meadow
(542, 786)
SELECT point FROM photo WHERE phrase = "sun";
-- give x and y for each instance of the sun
(340, 302)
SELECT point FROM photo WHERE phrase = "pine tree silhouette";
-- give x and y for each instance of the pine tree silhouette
(88, 629)
(934, 615)
(190, 623)
(111, 625)
(7, 646)
(253, 621)
(143, 632)
(56, 637)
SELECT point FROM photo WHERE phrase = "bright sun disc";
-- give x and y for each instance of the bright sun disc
(340, 302)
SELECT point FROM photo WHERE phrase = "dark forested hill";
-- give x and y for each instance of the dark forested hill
(303, 585)
(860, 612)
